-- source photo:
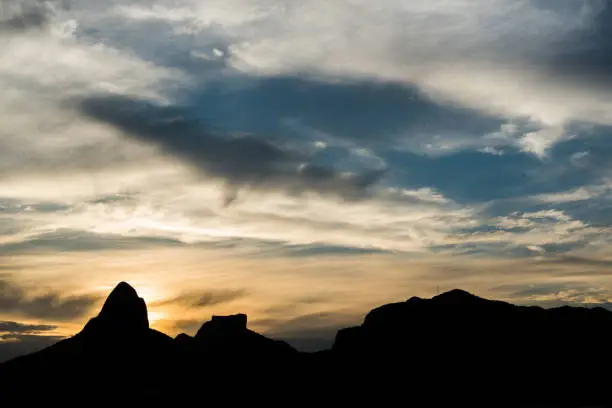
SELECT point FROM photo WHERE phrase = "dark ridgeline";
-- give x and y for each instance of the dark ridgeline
(466, 348)
(455, 348)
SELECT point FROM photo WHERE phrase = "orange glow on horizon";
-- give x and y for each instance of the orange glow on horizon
(156, 315)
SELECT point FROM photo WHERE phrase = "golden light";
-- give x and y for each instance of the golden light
(149, 294)
(156, 315)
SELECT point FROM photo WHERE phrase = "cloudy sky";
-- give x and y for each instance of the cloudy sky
(299, 161)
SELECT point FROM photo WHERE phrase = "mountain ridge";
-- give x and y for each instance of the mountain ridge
(488, 340)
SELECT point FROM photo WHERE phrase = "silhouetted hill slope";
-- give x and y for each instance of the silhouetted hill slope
(455, 347)
(119, 348)
(474, 323)
(113, 347)
(228, 337)
(466, 343)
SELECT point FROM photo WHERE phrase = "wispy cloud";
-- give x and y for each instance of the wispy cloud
(42, 304)
(15, 327)
(507, 72)
(204, 298)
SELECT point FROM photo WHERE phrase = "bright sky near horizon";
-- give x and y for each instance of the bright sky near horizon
(299, 161)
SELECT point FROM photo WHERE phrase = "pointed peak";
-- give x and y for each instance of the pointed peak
(123, 289)
(125, 308)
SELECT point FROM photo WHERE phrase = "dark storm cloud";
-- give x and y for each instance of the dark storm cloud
(41, 304)
(15, 327)
(205, 298)
(69, 240)
(238, 160)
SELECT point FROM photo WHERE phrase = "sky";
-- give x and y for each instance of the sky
(301, 162)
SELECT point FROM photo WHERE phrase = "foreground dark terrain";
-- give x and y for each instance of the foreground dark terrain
(453, 349)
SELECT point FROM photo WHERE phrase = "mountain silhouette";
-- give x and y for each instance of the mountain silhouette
(112, 347)
(228, 337)
(455, 347)
(464, 342)
(124, 309)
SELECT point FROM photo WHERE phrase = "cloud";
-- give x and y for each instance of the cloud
(43, 304)
(20, 15)
(557, 294)
(42, 135)
(76, 69)
(204, 298)
(578, 194)
(10, 226)
(544, 62)
(296, 305)
(531, 229)
(579, 159)
(579, 261)
(272, 224)
(239, 161)
(113, 198)
(68, 240)
(539, 142)
(589, 57)
(401, 134)
(15, 327)
(268, 222)
(322, 250)
(190, 326)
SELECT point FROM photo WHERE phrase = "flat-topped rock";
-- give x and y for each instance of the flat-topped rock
(223, 325)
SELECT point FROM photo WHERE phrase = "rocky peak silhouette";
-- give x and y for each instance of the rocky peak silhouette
(124, 313)
(456, 345)
(124, 308)
(229, 337)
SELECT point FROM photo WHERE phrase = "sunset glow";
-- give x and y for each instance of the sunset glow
(300, 162)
